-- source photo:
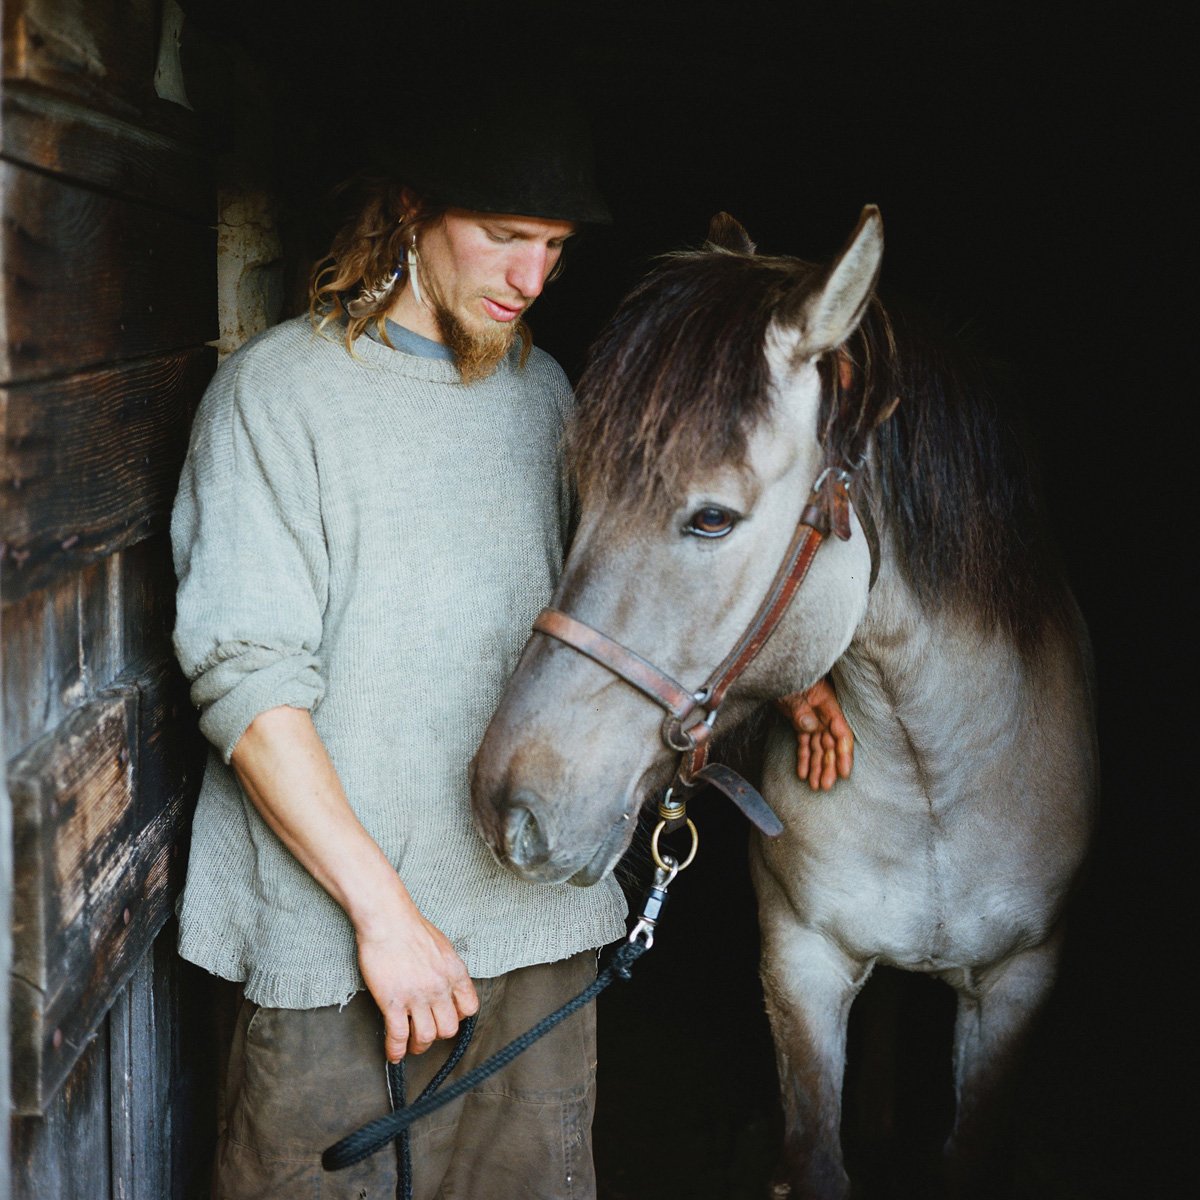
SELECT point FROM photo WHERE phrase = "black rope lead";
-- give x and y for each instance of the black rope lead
(397, 1094)
(376, 1134)
(395, 1126)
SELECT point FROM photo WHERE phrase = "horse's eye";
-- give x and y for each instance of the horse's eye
(710, 522)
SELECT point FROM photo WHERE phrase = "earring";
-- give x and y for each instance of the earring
(411, 259)
(367, 299)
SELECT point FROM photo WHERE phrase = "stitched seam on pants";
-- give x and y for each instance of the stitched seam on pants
(279, 1158)
(567, 1095)
(570, 1142)
(312, 1180)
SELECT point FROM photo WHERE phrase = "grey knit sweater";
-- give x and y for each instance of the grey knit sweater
(367, 538)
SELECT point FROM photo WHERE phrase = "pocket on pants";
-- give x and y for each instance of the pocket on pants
(309, 1077)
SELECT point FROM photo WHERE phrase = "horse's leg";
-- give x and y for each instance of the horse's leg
(996, 1009)
(809, 985)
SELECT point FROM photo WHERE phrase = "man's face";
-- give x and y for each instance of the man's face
(481, 271)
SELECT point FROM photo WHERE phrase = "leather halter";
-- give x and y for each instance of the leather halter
(827, 510)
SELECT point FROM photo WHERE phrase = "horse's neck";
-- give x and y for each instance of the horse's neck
(929, 689)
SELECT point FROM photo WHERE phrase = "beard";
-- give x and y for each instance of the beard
(477, 353)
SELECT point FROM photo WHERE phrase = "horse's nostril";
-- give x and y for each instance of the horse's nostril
(524, 842)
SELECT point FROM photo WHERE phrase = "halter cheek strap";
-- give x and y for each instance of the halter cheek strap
(827, 511)
(622, 662)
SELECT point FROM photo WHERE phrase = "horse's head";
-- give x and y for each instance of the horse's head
(704, 419)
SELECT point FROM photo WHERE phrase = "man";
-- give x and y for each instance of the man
(370, 516)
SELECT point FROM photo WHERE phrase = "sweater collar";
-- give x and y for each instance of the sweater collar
(439, 370)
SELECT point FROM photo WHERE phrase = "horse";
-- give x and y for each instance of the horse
(724, 387)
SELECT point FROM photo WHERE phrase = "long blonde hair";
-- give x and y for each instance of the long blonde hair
(360, 271)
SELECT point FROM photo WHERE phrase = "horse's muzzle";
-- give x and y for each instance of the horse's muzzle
(522, 837)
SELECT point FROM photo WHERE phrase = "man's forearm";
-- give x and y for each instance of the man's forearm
(418, 981)
(284, 768)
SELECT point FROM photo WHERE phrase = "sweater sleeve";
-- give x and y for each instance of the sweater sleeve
(250, 556)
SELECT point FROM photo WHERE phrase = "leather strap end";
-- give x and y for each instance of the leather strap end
(756, 810)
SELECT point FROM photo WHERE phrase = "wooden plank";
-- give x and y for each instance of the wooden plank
(81, 144)
(170, 756)
(6, 870)
(70, 791)
(201, 1015)
(42, 675)
(156, 1067)
(77, 635)
(148, 601)
(139, 1075)
(168, 1035)
(101, 623)
(123, 1064)
(64, 1155)
(100, 808)
(92, 279)
(92, 463)
(102, 51)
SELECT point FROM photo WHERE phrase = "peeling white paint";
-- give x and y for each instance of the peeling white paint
(249, 266)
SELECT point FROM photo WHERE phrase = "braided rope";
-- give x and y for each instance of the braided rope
(376, 1134)
(397, 1093)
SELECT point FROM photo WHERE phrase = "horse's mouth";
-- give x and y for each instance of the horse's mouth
(595, 869)
(607, 855)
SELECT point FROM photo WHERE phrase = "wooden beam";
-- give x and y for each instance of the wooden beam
(140, 1059)
(92, 279)
(70, 139)
(171, 751)
(103, 51)
(43, 679)
(70, 793)
(147, 607)
(92, 462)
(66, 1155)
(100, 809)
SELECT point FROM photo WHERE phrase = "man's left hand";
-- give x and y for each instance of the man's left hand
(824, 739)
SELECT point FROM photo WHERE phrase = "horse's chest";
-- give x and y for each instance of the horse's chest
(917, 891)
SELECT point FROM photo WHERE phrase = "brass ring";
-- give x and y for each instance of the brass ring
(654, 854)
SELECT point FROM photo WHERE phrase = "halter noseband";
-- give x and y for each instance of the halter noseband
(827, 510)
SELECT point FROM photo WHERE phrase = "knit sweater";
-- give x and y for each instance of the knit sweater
(367, 538)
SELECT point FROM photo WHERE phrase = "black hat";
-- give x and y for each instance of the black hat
(530, 156)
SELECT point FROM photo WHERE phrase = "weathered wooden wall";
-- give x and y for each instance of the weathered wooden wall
(108, 200)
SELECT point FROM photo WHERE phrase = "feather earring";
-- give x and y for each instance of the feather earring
(369, 298)
(411, 259)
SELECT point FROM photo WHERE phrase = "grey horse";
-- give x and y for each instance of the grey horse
(726, 384)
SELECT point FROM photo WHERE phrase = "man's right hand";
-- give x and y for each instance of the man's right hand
(419, 983)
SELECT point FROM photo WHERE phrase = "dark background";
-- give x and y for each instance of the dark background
(1027, 159)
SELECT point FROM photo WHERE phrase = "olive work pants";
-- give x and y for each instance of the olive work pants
(300, 1080)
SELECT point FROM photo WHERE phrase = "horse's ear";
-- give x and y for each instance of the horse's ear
(829, 313)
(726, 233)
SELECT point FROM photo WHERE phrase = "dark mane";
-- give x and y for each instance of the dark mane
(953, 475)
(679, 379)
